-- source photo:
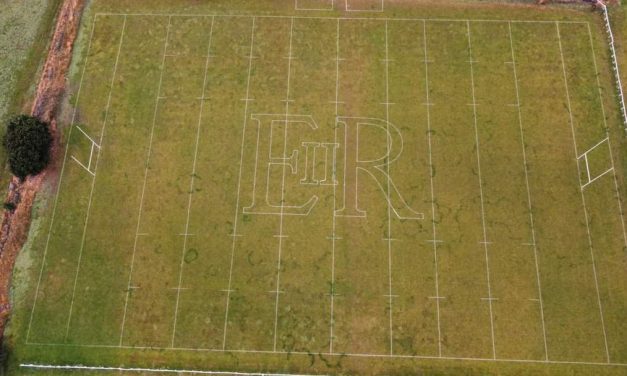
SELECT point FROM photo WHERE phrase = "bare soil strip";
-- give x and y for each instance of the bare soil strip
(15, 224)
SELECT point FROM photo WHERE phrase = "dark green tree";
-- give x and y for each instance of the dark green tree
(27, 142)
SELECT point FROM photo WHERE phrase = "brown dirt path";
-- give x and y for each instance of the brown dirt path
(15, 225)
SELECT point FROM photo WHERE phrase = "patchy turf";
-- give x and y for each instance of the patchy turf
(259, 188)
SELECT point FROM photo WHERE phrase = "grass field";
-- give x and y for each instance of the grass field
(267, 188)
(25, 27)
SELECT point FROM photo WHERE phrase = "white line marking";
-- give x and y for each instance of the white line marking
(585, 156)
(86, 135)
(592, 148)
(155, 370)
(335, 18)
(334, 236)
(389, 234)
(56, 198)
(356, 355)
(239, 183)
(141, 200)
(531, 220)
(597, 178)
(583, 198)
(287, 112)
(191, 184)
(93, 184)
(618, 197)
(83, 166)
(485, 236)
(91, 154)
(255, 169)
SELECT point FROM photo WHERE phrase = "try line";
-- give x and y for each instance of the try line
(352, 355)
(335, 18)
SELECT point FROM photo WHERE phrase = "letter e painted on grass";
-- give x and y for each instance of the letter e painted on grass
(271, 152)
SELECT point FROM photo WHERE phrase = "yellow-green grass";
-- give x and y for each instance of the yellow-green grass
(153, 256)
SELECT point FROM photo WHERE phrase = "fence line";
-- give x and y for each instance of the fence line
(621, 96)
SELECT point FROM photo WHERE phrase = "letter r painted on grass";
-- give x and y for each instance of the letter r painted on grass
(272, 137)
(377, 167)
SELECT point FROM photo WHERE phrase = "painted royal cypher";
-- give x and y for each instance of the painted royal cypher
(273, 153)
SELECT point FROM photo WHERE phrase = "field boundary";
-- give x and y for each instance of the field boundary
(615, 67)
(157, 370)
(389, 237)
(336, 18)
(341, 354)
